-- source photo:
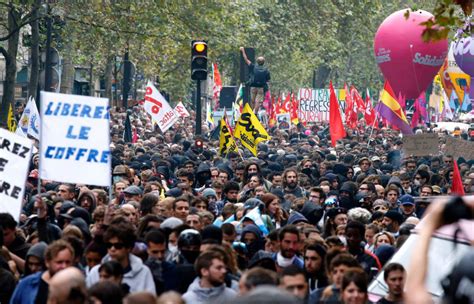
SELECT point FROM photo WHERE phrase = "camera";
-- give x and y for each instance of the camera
(456, 210)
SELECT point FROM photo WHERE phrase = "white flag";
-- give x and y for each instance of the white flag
(159, 109)
(181, 110)
(30, 121)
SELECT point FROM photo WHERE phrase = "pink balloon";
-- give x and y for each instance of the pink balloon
(407, 62)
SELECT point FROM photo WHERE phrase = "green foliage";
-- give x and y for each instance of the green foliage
(295, 37)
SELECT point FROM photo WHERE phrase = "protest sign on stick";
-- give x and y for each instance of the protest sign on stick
(459, 148)
(75, 140)
(421, 144)
(15, 155)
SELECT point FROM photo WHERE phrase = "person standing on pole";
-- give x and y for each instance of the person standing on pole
(259, 76)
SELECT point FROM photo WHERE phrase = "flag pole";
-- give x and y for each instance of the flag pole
(373, 125)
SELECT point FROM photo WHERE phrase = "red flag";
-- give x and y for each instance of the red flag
(416, 114)
(285, 107)
(267, 102)
(134, 136)
(357, 99)
(294, 110)
(403, 103)
(351, 112)
(336, 128)
(217, 87)
(369, 113)
(457, 187)
(275, 110)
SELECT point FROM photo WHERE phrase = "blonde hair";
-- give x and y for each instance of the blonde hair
(390, 237)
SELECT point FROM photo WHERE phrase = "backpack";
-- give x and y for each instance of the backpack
(259, 76)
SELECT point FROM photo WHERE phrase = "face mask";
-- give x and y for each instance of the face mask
(307, 171)
(172, 248)
(417, 182)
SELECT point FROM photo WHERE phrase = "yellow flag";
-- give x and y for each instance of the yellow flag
(460, 81)
(249, 130)
(226, 140)
(11, 122)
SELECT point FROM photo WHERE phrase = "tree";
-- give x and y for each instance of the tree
(18, 16)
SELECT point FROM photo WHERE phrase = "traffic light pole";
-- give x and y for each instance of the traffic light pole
(198, 108)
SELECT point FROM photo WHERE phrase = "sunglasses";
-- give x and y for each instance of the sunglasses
(115, 245)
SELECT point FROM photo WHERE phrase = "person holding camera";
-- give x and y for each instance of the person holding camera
(442, 212)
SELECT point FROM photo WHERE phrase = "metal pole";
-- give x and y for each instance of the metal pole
(198, 108)
(47, 68)
(116, 82)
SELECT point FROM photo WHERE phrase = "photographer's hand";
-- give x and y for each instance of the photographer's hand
(416, 291)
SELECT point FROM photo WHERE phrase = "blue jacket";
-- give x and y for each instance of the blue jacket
(27, 289)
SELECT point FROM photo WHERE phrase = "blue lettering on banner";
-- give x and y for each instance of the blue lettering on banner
(76, 110)
(79, 154)
(82, 134)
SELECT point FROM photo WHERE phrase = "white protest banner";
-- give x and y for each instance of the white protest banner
(159, 109)
(30, 121)
(15, 155)
(314, 104)
(181, 110)
(75, 139)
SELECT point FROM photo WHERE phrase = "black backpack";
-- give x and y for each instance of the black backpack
(259, 76)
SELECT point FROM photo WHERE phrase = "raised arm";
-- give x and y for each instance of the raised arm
(247, 61)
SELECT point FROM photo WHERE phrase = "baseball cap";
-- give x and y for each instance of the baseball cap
(133, 190)
(375, 158)
(407, 199)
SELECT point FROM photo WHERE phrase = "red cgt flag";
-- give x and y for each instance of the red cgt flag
(457, 187)
(336, 128)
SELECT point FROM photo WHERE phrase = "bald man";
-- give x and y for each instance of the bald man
(68, 286)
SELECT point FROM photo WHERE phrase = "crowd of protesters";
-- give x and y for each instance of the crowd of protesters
(177, 227)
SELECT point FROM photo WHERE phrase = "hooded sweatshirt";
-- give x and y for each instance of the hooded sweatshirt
(139, 278)
(197, 294)
(91, 196)
(38, 251)
(258, 244)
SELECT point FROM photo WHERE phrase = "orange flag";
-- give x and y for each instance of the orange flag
(336, 128)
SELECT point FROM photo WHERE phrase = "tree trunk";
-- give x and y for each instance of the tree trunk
(67, 75)
(108, 77)
(322, 73)
(91, 80)
(35, 37)
(10, 61)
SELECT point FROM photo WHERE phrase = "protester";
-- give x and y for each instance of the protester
(34, 288)
(315, 221)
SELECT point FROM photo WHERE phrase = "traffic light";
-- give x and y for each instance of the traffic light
(199, 60)
(198, 143)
